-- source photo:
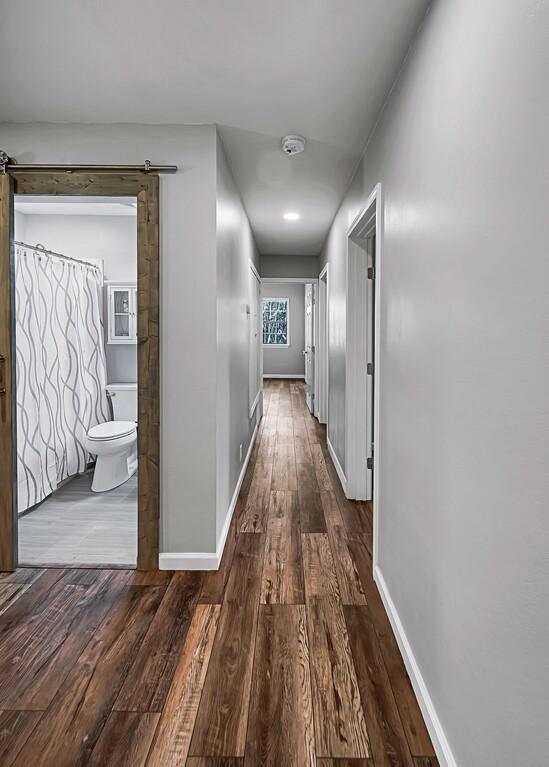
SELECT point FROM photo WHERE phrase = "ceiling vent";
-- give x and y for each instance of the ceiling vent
(293, 145)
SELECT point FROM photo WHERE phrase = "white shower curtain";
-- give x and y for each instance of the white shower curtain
(61, 372)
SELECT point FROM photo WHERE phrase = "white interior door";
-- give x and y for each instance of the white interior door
(255, 374)
(309, 350)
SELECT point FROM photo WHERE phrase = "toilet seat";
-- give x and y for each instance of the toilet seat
(111, 430)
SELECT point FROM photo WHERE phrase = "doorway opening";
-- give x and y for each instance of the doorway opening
(289, 332)
(362, 358)
(75, 269)
(79, 342)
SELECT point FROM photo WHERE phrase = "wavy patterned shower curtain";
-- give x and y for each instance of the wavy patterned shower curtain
(61, 370)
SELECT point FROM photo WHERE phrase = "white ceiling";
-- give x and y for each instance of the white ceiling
(258, 68)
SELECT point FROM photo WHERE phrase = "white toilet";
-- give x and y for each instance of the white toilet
(115, 442)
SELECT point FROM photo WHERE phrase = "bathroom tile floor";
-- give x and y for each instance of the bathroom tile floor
(75, 526)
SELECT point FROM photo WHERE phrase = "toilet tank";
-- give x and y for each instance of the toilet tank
(123, 398)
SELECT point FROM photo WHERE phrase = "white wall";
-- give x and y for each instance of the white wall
(20, 227)
(110, 238)
(288, 266)
(187, 300)
(235, 250)
(462, 153)
(287, 360)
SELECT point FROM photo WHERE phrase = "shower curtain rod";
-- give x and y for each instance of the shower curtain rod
(41, 249)
(9, 164)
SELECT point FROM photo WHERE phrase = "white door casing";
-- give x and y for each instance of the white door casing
(362, 340)
(304, 281)
(254, 335)
(321, 388)
(309, 350)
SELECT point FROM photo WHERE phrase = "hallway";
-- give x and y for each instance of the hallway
(284, 656)
(229, 209)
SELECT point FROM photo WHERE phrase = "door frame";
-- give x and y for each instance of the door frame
(313, 344)
(145, 187)
(288, 280)
(356, 359)
(322, 357)
(255, 277)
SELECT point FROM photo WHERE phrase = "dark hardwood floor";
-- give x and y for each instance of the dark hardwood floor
(282, 658)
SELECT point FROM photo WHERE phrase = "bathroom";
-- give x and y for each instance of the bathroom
(75, 264)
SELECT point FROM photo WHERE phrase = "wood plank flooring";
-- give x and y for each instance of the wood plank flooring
(284, 657)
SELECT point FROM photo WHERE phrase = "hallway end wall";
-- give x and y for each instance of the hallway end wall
(461, 153)
(287, 360)
(288, 266)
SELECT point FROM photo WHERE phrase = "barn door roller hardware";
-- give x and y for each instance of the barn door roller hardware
(7, 164)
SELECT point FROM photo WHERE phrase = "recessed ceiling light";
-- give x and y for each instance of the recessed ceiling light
(291, 216)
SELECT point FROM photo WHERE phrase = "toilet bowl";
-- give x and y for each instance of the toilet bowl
(114, 443)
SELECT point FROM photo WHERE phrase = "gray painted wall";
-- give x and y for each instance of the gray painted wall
(187, 300)
(235, 250)
(462, 153)
(110, 238)
(288, 266)
(287, 360)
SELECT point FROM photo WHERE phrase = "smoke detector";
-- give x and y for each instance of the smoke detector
(293, 145)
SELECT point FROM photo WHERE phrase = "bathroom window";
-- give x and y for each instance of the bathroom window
(276, 322)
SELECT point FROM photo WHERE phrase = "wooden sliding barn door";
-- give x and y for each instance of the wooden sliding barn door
(8, 527)
(148, 374)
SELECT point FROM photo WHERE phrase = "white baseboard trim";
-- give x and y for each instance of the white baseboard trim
(188, 561)
(234, 499)
(434, 725)
(276, 375)
(209, 560)
(340, 472)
